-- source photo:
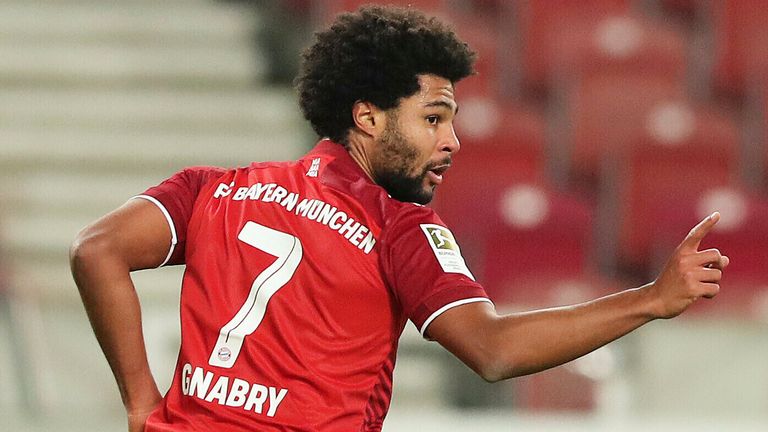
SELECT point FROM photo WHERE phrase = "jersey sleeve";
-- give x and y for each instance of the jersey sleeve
(422, 262)
(176, 198)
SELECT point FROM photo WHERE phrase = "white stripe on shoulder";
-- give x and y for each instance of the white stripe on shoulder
(174, 238)
(450, 306)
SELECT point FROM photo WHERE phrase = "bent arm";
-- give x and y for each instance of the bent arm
(499, 347)
(135, 236)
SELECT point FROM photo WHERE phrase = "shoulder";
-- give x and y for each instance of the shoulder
(205, 170)
(207, 175)
(277, 165)
(200, 175)
(399, 213)
(403, 219)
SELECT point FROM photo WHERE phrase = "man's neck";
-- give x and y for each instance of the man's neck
(359, 149)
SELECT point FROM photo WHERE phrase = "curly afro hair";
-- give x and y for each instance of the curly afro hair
(374, 54)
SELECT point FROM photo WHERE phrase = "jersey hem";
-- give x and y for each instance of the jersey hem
(174, 238)
(451, 305)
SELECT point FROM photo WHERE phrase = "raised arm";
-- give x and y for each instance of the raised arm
(133, 237)
(499, 347)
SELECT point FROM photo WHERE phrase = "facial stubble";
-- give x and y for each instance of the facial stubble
(393, 169)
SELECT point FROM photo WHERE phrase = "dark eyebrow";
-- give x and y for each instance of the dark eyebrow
(440, 103)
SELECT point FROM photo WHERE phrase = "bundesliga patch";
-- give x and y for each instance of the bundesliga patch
(446, 249)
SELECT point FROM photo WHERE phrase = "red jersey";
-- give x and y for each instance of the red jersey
(300, 279)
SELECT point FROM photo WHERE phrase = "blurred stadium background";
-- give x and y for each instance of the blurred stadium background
(596, 133)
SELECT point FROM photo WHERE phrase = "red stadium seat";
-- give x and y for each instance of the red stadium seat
(528, 244)
(741, 38)
(486, 125)
(619, 44)
(608, 75)
(742, 234)
(682, 152)
(538, 239)
(541, 23)
(604, 113)
(483, 37)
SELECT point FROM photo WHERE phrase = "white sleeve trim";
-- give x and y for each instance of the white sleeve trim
(450, 306)
(174, 239)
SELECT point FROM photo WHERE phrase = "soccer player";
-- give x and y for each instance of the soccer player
(302, 275)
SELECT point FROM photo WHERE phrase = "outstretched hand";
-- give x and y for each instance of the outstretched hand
(689, 274)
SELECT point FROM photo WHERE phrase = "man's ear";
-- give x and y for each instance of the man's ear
(368, 118)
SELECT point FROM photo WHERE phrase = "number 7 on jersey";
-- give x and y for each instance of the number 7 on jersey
(287, 249)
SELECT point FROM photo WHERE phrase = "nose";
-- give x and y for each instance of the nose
(450, 142)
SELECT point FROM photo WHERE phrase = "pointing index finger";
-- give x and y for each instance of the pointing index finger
(693, 240)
